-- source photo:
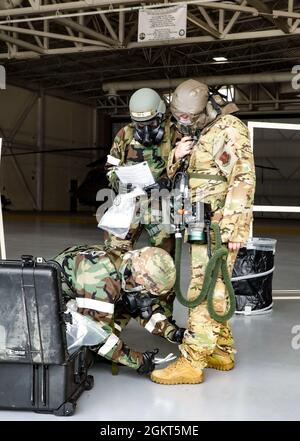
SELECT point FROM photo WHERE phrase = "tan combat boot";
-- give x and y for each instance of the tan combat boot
(178, 372)
(221, 360)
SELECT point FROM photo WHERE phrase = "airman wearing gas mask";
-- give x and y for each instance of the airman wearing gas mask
(107, 288)
(149, 137)
(220, 167)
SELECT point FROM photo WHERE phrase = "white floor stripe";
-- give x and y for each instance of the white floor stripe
(286, 297)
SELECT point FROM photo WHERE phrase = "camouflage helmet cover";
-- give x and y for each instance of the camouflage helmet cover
(152, 269)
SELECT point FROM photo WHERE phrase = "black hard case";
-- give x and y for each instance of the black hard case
(36, 371)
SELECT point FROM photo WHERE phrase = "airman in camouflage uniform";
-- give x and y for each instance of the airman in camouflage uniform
(223, 152)
(98, 279)
(129, 150)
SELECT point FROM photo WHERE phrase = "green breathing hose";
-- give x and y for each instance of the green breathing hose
(217, 263)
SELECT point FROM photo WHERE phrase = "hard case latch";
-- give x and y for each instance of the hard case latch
(27, 259)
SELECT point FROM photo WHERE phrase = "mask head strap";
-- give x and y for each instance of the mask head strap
(215, 105)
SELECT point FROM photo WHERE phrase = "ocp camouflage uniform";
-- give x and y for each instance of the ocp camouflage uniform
(223, 150)
(91, 275)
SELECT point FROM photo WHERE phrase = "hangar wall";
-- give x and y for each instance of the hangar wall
(278, 149)
(67, 125)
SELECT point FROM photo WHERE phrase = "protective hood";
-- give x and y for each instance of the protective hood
(193, 98)
(216, 107)
(190, 97)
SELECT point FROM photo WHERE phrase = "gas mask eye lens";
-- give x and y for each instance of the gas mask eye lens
(139, 125)
(183, 118)
(186, 119)
(154, 123)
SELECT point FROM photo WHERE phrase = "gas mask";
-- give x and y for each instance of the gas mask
(195, 123)
(187, 127)
(139, 304)
(195, 107)
(146, 275)
(135, 298)
(148, 132)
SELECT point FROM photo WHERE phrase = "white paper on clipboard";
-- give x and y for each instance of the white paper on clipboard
(139, 175)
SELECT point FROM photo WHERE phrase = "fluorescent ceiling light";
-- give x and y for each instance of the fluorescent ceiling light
(220, 59)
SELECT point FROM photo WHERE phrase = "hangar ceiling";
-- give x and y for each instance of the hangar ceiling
(96, 43)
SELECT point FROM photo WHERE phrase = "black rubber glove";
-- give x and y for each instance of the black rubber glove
(165, 183)
(162, 183)
(148, 364)
(177, 337)
(151, 188)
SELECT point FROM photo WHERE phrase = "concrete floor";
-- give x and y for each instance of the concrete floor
(264, 385)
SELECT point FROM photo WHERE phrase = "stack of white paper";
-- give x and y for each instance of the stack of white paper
(138, 175)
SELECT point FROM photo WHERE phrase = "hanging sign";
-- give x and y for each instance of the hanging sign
(162, 23)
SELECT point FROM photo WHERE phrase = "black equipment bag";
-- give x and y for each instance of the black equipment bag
(252, 276)
(36, 371)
